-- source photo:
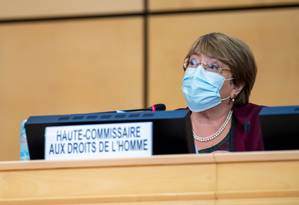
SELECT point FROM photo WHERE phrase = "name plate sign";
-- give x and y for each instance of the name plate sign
(117, 140)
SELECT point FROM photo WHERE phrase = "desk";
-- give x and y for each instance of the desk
(217, 178)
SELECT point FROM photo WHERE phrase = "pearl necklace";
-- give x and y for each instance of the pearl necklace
(217, 133)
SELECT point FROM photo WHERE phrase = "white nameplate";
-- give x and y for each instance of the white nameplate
(117, 140)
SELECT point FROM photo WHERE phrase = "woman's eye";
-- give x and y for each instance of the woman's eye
(193, 62)
(214, 67)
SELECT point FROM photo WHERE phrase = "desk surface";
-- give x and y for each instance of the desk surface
(217, 157)
(225, 178)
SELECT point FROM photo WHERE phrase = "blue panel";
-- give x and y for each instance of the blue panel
(280, 110)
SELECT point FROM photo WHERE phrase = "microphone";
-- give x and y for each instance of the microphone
(153, 108)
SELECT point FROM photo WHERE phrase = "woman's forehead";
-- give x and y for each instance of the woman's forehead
(204, 57)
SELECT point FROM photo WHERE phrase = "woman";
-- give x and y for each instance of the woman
(219, 74)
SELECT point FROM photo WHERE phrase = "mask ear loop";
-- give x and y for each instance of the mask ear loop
(226, 98)
(229, 78)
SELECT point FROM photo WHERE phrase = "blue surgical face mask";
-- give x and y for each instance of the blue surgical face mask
(201, 89)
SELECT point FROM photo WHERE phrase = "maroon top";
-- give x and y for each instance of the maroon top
(245, 133)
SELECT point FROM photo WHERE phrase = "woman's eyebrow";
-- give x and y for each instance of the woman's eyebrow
(194, 55)
(215, 61)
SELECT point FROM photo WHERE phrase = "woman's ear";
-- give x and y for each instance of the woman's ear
(236, 90)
